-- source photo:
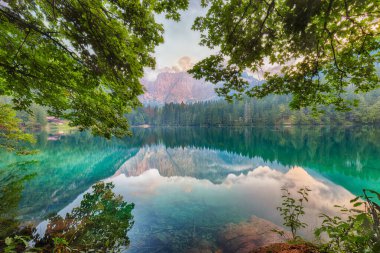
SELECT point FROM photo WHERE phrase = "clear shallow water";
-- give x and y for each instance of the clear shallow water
(188, 183)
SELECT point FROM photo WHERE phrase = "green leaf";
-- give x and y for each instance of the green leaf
(355, 199)
(8, 241)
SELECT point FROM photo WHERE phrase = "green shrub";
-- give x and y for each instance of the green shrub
(292, 209)
(355, 230)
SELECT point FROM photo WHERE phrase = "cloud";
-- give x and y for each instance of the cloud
(257, 192)
(185, 63)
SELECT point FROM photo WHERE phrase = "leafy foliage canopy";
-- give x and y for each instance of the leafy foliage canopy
(81, 58)
(323, 46)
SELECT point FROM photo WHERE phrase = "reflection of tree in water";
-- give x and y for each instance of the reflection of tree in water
(347, 156)
(12, 179)
(99, 224)
(326, 150)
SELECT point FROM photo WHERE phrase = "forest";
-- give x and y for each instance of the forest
(32, 119)
(271, 110)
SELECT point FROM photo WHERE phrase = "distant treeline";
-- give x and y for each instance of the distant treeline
(35, 118)
(272, 110)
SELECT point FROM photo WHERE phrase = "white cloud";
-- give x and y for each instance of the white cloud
(185, 63)
(257, 191)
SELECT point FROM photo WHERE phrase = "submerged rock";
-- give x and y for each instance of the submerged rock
(204, 247)
(251, 235)
(286, 248)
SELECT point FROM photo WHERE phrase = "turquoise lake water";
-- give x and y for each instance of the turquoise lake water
(189, 183)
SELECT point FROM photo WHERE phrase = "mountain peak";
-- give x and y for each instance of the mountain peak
(176, 87)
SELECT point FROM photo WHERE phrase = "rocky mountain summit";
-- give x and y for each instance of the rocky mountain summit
(178, 87)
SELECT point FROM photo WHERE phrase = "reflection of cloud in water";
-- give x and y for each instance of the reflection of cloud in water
(257, 192)
(169, 209)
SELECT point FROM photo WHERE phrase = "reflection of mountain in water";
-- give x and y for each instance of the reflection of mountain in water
(348, 156)
(200, 163)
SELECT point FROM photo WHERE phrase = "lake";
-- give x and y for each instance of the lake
(191, 186)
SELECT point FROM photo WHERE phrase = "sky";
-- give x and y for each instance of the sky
(181, 45)
(180, 40)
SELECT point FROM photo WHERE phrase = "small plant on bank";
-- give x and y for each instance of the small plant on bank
(16, 243)
(61, 245)
(292, 209)
(358, 232)
(99, 224)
